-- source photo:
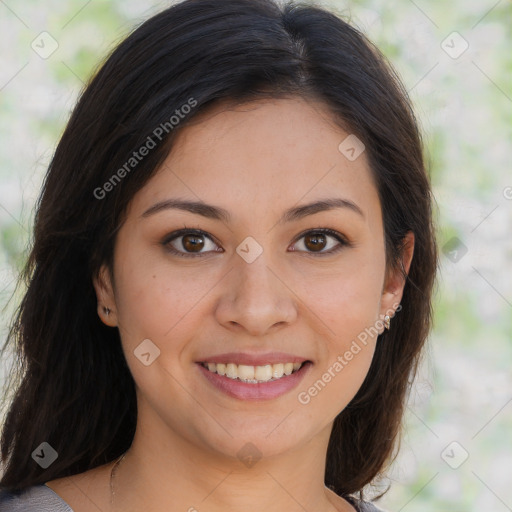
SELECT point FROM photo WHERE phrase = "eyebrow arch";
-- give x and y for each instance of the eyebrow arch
(216, 213)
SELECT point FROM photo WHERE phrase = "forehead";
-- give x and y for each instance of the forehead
(263, 157)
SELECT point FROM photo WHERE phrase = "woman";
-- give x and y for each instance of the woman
(231, 278)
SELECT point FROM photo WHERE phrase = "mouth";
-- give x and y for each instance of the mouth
(254, 377)
(254, 374)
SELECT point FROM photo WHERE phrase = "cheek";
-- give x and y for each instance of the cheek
(346, 351)
(332, 387)
(159, 301)
(347, 306)
(347, 300)
(162, 305)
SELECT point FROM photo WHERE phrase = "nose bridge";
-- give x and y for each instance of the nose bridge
(256, 286)
(256, 299)
(256, 281)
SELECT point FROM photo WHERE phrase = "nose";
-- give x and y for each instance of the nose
(257, 299)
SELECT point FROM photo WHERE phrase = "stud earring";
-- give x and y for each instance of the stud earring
(387, 322)
(106, 310)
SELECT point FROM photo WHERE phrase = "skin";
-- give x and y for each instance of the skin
(256, 161)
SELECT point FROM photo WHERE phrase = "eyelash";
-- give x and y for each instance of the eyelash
(343, 242)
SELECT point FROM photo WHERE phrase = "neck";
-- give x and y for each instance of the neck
(175, 474)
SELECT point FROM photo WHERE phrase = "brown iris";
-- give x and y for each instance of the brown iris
(315, 241)
(192, 242)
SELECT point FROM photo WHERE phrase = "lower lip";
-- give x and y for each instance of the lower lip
(261, 391)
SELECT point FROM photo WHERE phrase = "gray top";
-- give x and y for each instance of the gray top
(40, 498)
(363, 506)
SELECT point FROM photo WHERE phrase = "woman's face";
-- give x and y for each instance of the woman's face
(261, 286)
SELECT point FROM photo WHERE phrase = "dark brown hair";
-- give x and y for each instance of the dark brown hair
(73, 387)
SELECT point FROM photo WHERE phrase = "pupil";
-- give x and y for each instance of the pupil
(191, 242)
(317, 241)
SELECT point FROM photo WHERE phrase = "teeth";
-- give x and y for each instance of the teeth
(277, 370)
(221, 368)
(231, 371)
(253, 374)
(245, 372)
(263, 373)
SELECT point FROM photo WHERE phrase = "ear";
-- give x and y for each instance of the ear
(394, 284)
(105, 295)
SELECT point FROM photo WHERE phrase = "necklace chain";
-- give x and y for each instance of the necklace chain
(112, 475)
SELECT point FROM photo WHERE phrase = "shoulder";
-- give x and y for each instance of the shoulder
(38, 498)
(364, 506)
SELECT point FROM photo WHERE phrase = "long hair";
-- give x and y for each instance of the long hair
(73, 387)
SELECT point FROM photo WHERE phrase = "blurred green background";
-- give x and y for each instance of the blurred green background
(455, 60)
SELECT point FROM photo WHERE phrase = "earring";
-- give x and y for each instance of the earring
(106, 310)
(387, 322)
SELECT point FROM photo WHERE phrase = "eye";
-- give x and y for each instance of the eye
(189, 243)
(316, 241)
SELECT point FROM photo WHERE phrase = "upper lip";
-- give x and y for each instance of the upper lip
(254, 359)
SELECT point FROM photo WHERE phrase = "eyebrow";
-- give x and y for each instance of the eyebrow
(217, 213)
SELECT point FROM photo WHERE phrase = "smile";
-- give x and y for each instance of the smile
(253, 374)
(254, 382)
